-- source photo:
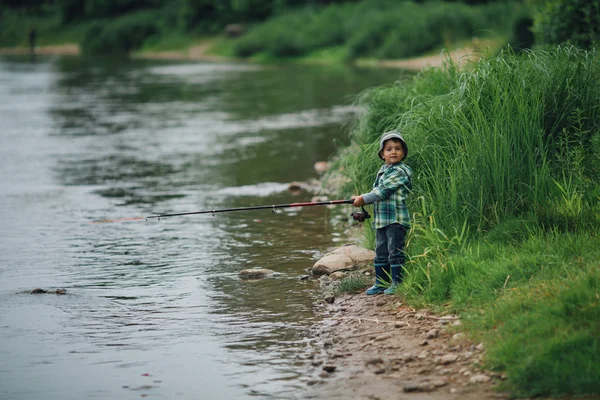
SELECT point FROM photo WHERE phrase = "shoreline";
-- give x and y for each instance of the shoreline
(199, 52)
(377, 348)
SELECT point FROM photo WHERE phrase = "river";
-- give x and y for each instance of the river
(155, 308)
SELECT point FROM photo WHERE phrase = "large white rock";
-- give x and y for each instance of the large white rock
(347, 257)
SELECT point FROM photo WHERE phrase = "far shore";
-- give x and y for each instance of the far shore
(199, 53)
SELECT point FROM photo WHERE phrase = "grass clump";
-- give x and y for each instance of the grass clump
(353, 283)
(506, 206)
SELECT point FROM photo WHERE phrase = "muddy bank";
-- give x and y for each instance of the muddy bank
(374, 347)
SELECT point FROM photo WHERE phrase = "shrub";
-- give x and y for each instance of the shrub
(568, 21)
(121, 36)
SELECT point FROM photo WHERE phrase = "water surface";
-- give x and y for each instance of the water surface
(155, 309)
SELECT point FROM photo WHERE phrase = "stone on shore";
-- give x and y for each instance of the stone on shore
(255, 273)
(348, 257)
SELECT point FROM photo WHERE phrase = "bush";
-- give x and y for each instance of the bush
(121, 36)
(381, 28)
(568, 21)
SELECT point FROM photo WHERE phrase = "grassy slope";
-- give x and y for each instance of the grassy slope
(506, 207)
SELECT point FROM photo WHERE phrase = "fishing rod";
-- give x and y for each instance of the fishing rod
(358, 216)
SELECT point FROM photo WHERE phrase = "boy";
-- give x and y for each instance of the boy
(391, 187)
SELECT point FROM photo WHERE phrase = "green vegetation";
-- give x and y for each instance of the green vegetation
(353, 283)
(506, 206)
(332, 30)
(568, 21)
(377, 29)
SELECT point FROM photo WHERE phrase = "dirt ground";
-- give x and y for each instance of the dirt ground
(373, 347)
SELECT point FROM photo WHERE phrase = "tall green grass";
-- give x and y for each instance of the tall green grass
(378, 29)
(506, 206)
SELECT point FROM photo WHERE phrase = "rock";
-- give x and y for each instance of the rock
(324, 374)
(295, 187)
(337, 275)
(329, 368)
(432, 334)
(330, 299)
(234, 30)
(480, 347)
(321, 167)
(42, 291)
(374, 361)
(447, 359)
(412, 387)
(458, 336)
(255, 273)
(479, 378)
(304, 277)
(347, 257)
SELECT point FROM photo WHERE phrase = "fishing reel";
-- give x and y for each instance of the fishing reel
(360, 216)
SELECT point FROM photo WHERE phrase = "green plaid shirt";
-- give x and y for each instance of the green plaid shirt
(392, 186)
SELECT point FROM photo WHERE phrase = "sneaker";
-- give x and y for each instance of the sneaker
(375, 290)
(391, 289)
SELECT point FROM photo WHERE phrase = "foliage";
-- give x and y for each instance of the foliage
(121, 36)
(568, 21)
(380, 28)
(354, 282)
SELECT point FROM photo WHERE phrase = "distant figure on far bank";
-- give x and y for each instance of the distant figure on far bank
(32, 39)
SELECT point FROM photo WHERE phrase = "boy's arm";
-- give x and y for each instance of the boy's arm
(389, 184)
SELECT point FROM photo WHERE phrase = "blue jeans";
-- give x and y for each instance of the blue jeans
(389, 251)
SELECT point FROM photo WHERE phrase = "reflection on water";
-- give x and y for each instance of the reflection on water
(155, 308)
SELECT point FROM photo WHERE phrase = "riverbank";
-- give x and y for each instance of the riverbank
(376, 347)
(202, 52)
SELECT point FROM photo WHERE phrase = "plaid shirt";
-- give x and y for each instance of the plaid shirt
(392, 186)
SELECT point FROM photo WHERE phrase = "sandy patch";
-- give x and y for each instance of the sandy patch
(460, 56)
(61, 50)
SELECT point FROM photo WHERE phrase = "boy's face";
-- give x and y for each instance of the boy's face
(392, 152)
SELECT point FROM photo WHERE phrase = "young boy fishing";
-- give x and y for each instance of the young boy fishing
(392, 186)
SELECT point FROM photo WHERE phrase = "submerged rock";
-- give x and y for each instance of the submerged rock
(42, 291)
(348, 257)
(255, 273)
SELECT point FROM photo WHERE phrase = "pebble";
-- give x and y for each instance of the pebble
(412, 387)
(374, 361)
(458, 336)
(329, 368)
(479, 378)
(432, 334)
(447, 359)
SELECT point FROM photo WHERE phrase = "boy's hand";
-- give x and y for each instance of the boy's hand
(358, 201)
